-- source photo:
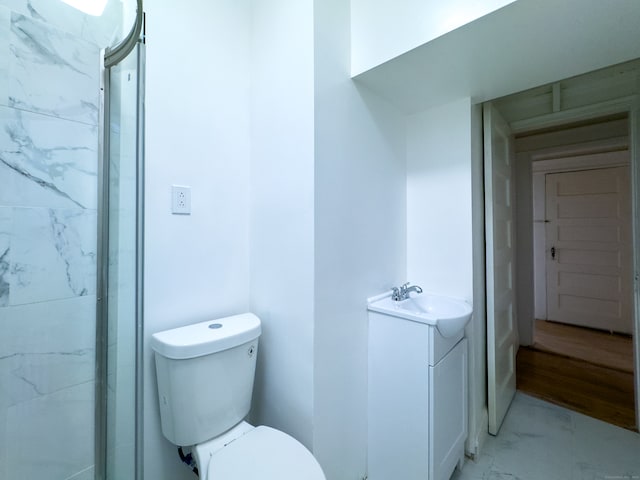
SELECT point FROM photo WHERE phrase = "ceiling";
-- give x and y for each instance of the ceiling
(525, 44)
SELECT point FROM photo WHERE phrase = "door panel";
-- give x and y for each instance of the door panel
(502, 340)
(589, 248)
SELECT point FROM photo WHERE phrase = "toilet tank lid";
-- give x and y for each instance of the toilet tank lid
(207, 337)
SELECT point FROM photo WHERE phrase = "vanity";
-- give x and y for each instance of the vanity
(417, 400)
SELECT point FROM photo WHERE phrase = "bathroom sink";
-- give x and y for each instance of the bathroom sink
(449, 315)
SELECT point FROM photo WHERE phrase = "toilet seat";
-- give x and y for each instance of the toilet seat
(264, 454)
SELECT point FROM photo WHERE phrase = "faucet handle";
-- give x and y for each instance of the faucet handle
(395, 295)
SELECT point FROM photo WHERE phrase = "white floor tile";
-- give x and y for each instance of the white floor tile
(541, 441)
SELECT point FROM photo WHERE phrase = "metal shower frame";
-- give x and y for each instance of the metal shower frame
(111, 57)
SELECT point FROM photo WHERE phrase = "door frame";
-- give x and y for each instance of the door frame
(630, 106)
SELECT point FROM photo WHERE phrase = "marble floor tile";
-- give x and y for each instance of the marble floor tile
(541, 441)
(603, 451)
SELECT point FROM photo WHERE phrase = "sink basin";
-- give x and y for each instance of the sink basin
(449, 315)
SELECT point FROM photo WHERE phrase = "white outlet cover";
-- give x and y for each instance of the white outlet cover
(180, 200)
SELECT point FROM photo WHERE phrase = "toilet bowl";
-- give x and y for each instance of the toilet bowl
(205, 376)
(259, 453)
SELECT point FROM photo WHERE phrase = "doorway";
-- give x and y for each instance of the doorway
(591, 151)
(577, 350)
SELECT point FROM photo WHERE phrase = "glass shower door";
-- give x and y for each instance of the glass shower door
(123, 299)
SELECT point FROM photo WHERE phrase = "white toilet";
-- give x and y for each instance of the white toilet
(205, 381)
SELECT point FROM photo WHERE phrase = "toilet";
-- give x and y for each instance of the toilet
(205, 378)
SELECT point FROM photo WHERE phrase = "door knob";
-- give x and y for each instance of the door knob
(553, 253)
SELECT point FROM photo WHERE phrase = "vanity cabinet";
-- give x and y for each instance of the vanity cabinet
(417, 400)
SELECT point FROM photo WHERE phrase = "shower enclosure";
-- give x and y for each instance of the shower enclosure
(70, 256)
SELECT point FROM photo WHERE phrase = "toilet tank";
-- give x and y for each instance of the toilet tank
(205, 376)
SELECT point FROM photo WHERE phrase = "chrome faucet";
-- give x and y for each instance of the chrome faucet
(402, 292)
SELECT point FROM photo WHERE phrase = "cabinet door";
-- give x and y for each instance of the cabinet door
(398, 398)
(447, 412)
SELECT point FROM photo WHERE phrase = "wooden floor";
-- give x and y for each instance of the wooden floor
(593, 346)
(587, 371)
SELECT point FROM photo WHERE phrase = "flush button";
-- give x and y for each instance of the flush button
(213, 326)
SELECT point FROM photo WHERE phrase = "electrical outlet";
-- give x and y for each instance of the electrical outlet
(180, 200)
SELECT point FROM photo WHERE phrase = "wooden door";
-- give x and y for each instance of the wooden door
(502, 338)
(589, 248)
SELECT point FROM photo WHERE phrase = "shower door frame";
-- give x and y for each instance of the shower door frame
(102, 318)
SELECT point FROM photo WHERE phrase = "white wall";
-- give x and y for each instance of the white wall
(197, 134)
(384, 29)
(445, 244)
(359, 239)
(322, 167)
(523, 224)
(439, 236)
(282, 221)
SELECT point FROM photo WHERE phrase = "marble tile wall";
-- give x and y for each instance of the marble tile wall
(49, 99)
(106, 30)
